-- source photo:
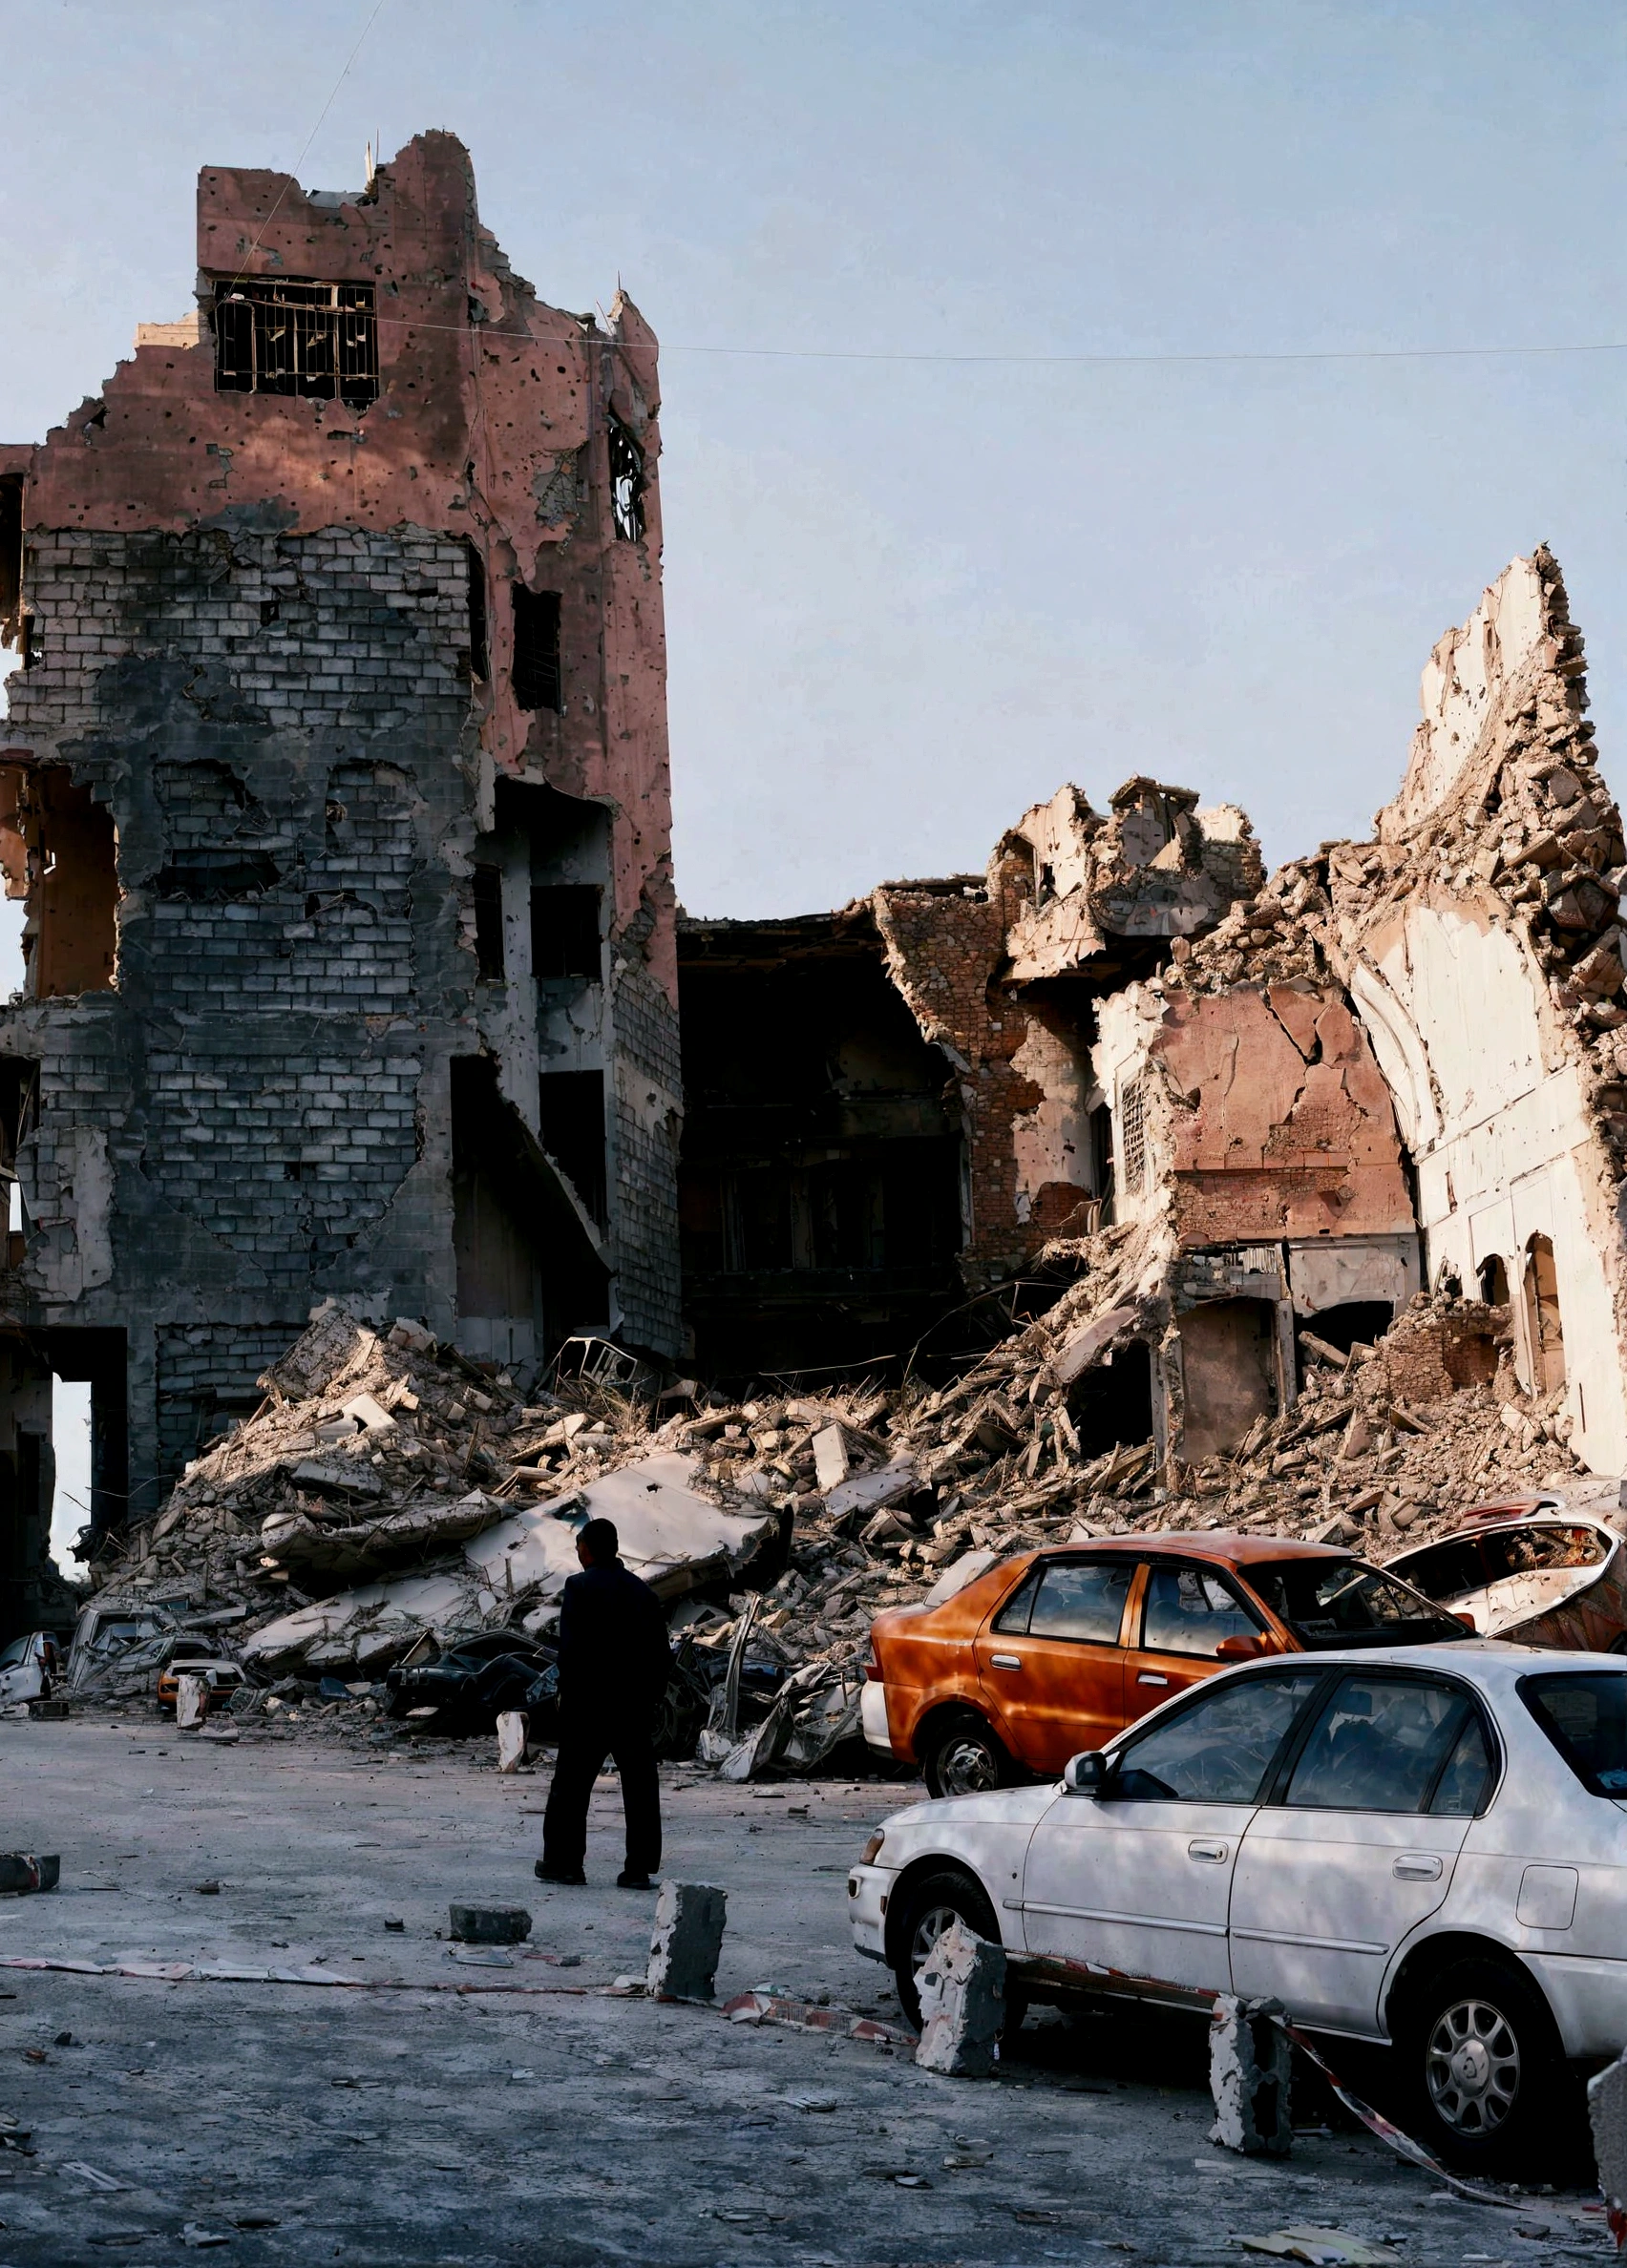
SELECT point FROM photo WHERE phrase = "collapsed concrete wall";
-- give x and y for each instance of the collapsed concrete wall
(336, 782)
(1480, 941)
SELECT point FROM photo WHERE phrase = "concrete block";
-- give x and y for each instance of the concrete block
(191, 1703)
(1249, 2074)
(963, 2004)
(688, 1940)
(1607, 2115)
(489, 1924)
(829, 1457)
(512, 1725)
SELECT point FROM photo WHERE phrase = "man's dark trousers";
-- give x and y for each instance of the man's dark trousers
(586, 1737)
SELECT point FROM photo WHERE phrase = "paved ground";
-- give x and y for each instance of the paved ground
(306, 2125)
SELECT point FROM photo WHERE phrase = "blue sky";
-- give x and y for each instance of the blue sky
(907, 597)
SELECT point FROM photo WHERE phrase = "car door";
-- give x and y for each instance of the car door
(1358, 1845)
(1050, 1660)
(1188, 1612)
(1139, 1877)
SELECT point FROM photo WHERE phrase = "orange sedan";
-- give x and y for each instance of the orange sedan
(1053, 1651)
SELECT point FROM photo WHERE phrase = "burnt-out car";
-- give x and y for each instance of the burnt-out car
(1527, 1569)
(471, 1683)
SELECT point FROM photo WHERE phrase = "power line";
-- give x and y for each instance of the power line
(292, 175)
(892, 354)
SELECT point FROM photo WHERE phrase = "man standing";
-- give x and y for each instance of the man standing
(614, 1663)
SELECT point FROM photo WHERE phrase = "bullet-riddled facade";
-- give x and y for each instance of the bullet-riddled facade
(335, 780)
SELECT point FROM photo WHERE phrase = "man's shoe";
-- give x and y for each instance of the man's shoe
(572, 1877)
(629, 1881)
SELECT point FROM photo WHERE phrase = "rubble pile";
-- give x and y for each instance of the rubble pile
(387, 1451)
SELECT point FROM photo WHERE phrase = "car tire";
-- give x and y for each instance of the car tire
(1482, 2065)
(930, 1903)
(961, 1755)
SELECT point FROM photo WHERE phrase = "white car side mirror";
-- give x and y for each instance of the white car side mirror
(1085, 1775)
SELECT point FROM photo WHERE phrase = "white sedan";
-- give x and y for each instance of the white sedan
(1425, 1845)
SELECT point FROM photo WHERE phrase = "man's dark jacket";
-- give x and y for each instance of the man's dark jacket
(614, 1658)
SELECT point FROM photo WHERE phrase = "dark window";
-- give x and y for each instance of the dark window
(489, 921)
(476, 611)
(1494, 1281)
(10, 558)
(280, 338)
(571, 1110)
(627, 482)
(1380, 1744)
(564, 931)
(1190, 1611)
(1585, 1716)
(1101, 1151)
(535, 648)
(1221, 1749)
(1342, 1603)
(1466, 1783)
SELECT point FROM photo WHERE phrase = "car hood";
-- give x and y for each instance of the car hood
(929, 1823)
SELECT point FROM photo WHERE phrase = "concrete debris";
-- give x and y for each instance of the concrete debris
(1249, 2075)
(1607, 2115)
(1323, 2248)
(963, 2004)
(688, 1940)
(489, 1924)
(257, 1539)
(512, 1728)
(191, 1702)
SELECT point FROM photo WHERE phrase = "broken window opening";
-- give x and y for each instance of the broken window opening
(476, 566)
(527, 1274)
(1494, 1280)
(489, 922)
(1101, 1156)
(536, 675)
(1132, 1134)
(1110, 1406)
(11, 560)
(626, 481)
(1544, 1332)
(274, 337)
(1355, 1323)
(571, 1128)
(74, 903)
(564, 932)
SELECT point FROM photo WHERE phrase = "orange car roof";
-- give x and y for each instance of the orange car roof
(1224, 1545)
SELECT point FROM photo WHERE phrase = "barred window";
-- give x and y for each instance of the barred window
(283, 338)
(1132, 1133)
(627, 482)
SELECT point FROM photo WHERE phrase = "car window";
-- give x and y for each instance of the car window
(1464, 1786)
(1379, 1744)
(1012, 1619)
(1522, 1551)
(1585, 1716)
(1220, 1749)
(1344, 1603)
(1083, 1601)
(1190, 1611)
(1445, 1570)
(18, 1651)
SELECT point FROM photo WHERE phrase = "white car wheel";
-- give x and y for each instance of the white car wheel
(1472, 2067)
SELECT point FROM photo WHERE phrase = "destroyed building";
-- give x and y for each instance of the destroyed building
(335, 783)
(892, 1108)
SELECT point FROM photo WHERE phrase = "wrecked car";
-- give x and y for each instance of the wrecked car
(220, 1674)
(1053, 1649)
(1526, 1568)
(1419, 1846)
(28, 1668)
(467, 1686)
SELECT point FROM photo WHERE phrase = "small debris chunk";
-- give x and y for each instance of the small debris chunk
(489, 1924)
(963, 2004)
(688, 1940)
